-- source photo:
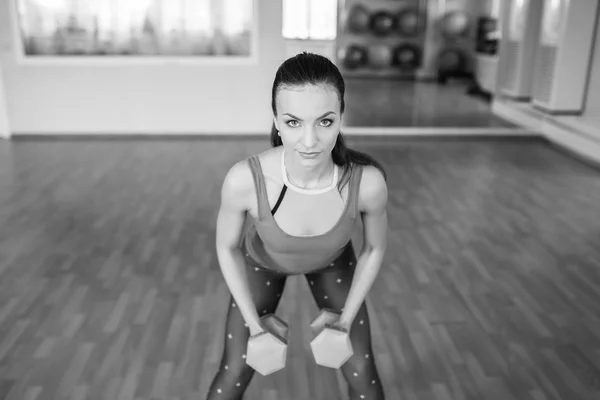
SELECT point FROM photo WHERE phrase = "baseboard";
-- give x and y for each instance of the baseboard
(472, 132)
(575, 141)
(437, 131)
(514, 113)
(134, 136)
(586, 126)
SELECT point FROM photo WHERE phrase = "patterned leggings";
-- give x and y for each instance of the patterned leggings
(330, 287)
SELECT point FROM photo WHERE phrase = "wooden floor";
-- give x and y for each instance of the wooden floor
(110, 288)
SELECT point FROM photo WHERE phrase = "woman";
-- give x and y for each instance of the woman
(304, 195)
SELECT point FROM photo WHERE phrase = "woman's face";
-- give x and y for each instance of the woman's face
(308, 120)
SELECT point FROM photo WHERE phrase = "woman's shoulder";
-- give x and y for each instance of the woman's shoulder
(236, 185)
(270, 164)
(373, 190)
(270, 155)
(239, 181)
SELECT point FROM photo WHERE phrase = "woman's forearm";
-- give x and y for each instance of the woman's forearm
(233, 267)
(367, 268)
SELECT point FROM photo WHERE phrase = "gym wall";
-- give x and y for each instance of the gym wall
(325, 48)
(592, 106)
(165, 98)
(4, 126)
(489, 7)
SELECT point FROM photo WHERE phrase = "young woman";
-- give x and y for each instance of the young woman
(304, 196)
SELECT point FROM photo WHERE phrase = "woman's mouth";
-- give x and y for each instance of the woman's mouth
(311, 154)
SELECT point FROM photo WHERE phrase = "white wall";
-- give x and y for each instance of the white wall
(592, 106)
(490, 8)
(4, 126)
(323, 47)
(144, 98)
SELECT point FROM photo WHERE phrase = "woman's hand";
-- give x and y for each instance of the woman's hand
(255, 328)
(343, 324)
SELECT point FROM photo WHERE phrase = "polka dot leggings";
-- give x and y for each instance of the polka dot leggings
(330, 287)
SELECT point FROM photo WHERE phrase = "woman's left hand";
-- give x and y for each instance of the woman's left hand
(343, 324)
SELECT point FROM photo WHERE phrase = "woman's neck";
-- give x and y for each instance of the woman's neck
(308, 177)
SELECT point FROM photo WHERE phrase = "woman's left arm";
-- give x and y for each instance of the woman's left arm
(373, 205)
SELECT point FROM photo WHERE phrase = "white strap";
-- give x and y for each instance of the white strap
(291, 186)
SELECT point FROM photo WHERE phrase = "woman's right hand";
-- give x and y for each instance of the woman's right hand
(255, 328)
(237, 194)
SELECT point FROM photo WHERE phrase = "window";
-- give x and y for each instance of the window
(310, 19)
(136, 27)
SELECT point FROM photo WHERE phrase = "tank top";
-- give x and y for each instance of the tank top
(268, 245)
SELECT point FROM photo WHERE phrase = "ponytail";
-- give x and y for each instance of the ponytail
(348, 158)
(275, 138)
(341, 154)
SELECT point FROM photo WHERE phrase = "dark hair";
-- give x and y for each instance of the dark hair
(313, 69)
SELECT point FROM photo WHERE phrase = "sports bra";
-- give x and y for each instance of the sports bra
(268, 245)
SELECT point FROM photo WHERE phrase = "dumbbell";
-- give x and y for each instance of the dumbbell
(267, 351)
(331, 345)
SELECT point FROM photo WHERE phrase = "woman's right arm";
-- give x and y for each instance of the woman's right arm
(235, 199)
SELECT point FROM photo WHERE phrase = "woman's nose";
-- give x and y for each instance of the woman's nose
(310, 138)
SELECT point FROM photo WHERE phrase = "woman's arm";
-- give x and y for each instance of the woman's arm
(373, 200)
(235, 194)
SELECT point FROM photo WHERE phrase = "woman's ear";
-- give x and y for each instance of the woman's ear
(276, 123)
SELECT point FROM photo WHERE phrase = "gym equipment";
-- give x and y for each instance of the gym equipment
(267, 351)
(331, 345)
(455, 24)
(380, 56)
(451, 62)
(358, 19)
(383, 23)
(488, 32)
(409, 22)
(353, 56)
(369, 31)
(521, 46)
(564, 56)
(407, 56)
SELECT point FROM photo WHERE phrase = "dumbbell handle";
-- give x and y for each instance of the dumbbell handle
(326, 317)
(259, 334)
(335, 328)
(273, 325)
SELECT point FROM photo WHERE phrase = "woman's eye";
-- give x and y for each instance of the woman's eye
(293, 123)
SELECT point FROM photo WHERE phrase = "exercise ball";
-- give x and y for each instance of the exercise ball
(409, 22)
(407, 56)
(455, 24)
(358, 19)
(353, 56)
(380, 56)
(383, 23)
(451, 61)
